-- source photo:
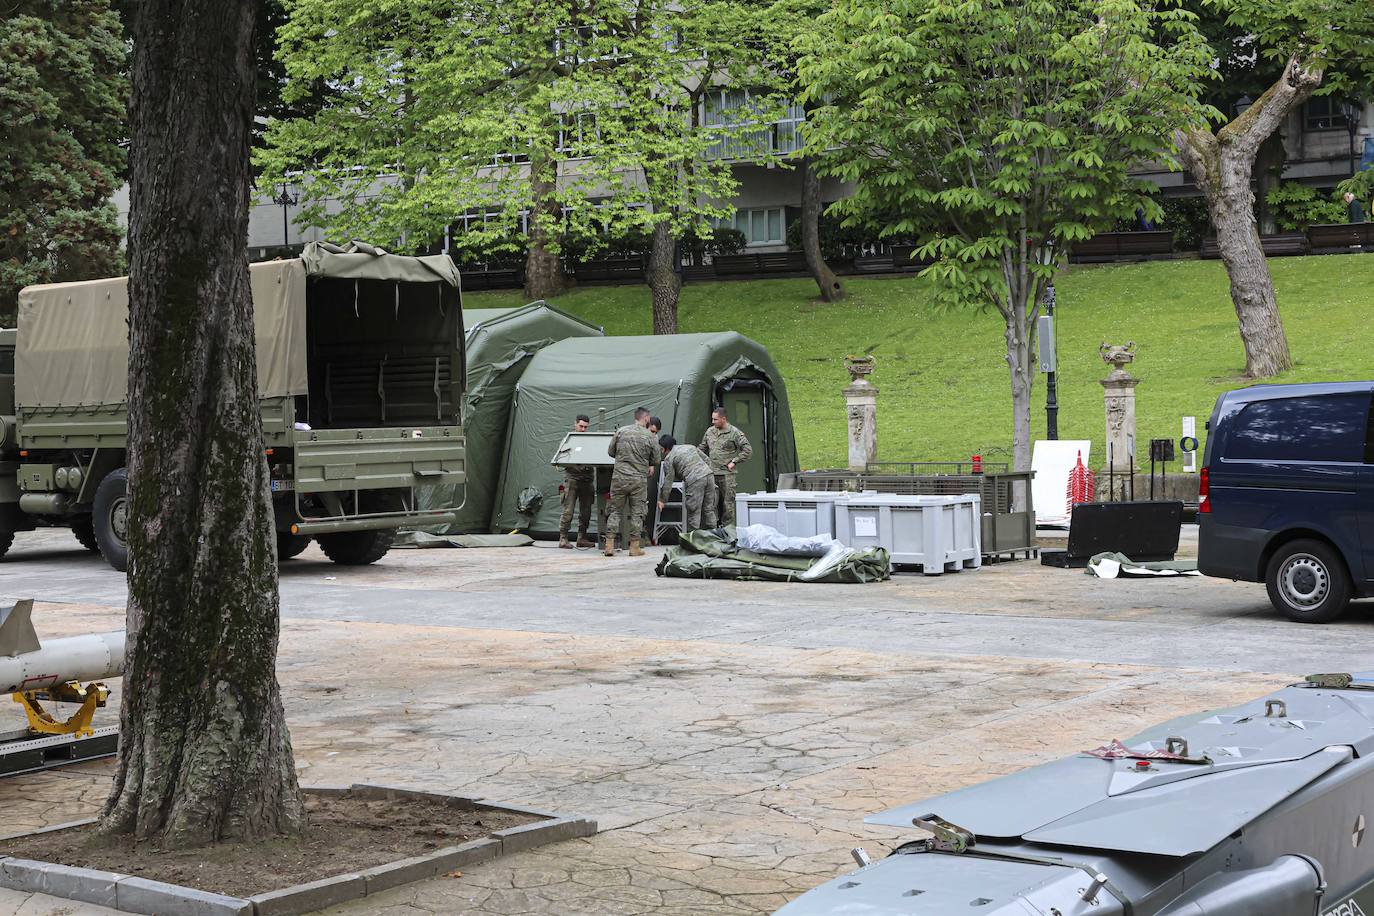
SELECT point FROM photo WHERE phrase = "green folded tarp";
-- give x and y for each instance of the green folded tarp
(713, 555)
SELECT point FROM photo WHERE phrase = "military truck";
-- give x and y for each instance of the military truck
(360, 375)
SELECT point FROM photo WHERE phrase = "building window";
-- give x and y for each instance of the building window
(577, 134)
(737, 108)
(760, 225)
(1325, 112)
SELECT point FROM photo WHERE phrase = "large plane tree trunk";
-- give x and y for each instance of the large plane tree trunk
(829, 285)
(204, 753)
(1222, 165)
(665, 282)
(544, 277)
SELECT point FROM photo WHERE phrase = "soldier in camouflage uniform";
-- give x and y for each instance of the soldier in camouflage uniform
(685, 462)
(579, 486)
(636, 455)
(727, 449)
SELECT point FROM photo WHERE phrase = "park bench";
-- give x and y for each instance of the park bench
(904, 258)
(1334, 238)
(1124, 246)
(477, 278)
(736, 265)
(1283, 244)
(874, 264)
(610, 270)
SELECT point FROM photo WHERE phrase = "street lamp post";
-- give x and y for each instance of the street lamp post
(1352, 125)
(286, 200)
(1051, 390)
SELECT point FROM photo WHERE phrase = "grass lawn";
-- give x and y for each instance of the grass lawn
(945, 388)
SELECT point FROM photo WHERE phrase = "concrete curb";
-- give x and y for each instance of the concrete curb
(140, 895)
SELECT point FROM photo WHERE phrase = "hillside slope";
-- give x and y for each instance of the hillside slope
(945, 390)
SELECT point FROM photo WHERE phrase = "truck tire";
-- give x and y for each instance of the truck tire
(110, 514)
(290, 545)
(6, 539)
(1308, 582)
(84, 529)
(357, 548)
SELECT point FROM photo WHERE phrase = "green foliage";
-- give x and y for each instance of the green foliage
(837, 239)
(942, 398)
(63, 90)
(1012, 123)
(508, 107)
(1296, 206)
(1189, 220)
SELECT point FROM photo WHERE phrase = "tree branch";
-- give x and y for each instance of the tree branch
(1252, 126)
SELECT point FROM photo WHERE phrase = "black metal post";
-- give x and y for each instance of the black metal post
(1051, 390)
(285, 199)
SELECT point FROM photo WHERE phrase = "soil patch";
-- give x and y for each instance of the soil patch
(346, 834)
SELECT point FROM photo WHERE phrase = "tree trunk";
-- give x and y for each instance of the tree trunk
(664, 280)
(544, 276)
(204, 753)
(826, 281)
(1018, 332)
(1222, 164)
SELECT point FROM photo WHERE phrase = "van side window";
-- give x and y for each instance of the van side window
(1317, 428)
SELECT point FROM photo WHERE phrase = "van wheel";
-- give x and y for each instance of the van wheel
(110, 515)
(84, 529)
(357, 548)
(290, 545)
(1308, 582)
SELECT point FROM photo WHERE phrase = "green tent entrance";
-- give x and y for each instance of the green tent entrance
(500, 345)
(679, 377)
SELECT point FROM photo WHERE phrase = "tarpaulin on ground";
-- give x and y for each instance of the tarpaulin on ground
(500, 344)
(716, 554)
(679, 377)
(424, 539)
(1120, 566)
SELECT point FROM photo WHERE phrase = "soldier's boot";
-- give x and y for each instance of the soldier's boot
(609, 549)
(634, 548)
(563, 540)
(583, 540)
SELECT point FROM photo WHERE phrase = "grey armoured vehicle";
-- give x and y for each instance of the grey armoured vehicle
(360, 374)
(1260, 810)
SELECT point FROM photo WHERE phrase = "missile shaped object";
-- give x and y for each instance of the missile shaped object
(27, 666)
(1259, 810)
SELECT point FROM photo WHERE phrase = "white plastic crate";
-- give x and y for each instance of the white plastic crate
(938, 533)
(795, 513)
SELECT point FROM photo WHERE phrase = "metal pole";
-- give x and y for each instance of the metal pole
(1051, 390)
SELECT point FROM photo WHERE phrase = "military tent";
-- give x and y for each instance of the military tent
(679, 377)
(500, 344)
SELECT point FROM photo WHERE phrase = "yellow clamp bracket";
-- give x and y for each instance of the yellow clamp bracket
(91, 697)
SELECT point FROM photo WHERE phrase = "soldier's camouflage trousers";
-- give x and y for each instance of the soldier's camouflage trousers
(577, 494)
(725, 499)
(699, 504)
(629, 502)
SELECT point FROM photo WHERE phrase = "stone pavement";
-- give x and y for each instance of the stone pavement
(729, 737)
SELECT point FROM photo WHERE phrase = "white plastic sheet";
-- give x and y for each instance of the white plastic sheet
(766, 540)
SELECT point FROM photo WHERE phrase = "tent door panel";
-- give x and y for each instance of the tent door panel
(746, 407)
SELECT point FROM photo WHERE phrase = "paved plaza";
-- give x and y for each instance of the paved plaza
(728, 736)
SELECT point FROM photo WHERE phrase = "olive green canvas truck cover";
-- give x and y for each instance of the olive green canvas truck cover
(360, 374)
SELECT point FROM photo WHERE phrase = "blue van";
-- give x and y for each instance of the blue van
(1287, 495)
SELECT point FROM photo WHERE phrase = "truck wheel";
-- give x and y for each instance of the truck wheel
(1308, 582)
(110, 514)
(357, 548)
(6, 539)
(290, 545)
(84, 529)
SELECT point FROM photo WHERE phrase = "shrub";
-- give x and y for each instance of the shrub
(1296, 206)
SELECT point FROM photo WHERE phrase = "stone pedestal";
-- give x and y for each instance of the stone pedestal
(861, 410)
(1118, 396)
